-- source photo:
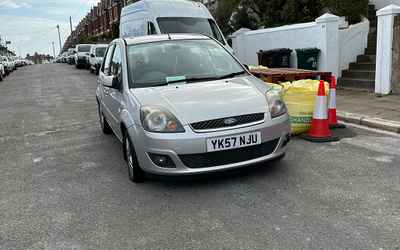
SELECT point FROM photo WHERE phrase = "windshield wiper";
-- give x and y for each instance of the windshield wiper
(194, 79)
(210, 78)
(231, 75)
(151, 84)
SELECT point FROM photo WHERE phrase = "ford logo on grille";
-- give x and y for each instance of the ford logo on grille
(230, 121)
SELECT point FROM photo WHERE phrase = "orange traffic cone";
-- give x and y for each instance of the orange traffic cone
(319, 131)
(332, 118)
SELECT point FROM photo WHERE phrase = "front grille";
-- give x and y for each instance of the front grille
(220, 123)
(226, 157)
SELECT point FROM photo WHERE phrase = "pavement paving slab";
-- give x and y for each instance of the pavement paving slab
(365, 108)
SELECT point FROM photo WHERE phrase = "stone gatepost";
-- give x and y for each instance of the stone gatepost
(384, 55)
(396, 56)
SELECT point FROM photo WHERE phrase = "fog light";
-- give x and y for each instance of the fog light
(163, 161)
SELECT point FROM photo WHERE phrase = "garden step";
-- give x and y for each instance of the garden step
(366, 59)
(362, 66)
(370, 51)
(372, 36)
(372, 43)
(356, 83)
(359, 74)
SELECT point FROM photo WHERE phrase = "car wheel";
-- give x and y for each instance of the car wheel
(1, 76)
(103, 122)
(136, 174)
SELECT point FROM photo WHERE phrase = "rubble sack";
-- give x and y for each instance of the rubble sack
(299, 97)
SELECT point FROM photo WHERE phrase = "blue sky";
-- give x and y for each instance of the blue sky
(31, 24)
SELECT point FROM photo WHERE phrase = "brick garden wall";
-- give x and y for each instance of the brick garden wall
(396, 56)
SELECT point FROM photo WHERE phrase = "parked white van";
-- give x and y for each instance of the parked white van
(82, 55)
(96, 57)
(148, 17)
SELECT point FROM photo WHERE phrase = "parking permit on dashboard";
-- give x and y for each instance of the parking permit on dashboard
(175, 79)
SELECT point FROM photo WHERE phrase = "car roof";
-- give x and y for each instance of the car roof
(163, 37)
(168, 8)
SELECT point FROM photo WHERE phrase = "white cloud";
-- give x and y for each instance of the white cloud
(13, 4)
(30, 24)
(31, 34)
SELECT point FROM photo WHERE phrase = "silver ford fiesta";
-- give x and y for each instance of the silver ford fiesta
(183, 105)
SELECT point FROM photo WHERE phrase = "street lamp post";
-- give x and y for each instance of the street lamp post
(59, 37)
(54, 51)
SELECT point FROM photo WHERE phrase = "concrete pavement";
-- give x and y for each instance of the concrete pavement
(367, 109)
(64, 185)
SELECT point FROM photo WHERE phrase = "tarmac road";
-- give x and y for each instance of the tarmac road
(63, 184)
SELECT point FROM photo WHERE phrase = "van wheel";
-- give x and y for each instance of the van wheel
(103, 122)
(135, 173)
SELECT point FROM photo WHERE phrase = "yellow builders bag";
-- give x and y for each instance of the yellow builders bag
(299, 97)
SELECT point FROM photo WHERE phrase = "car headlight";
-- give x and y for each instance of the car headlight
(159, 120)
(275, 103)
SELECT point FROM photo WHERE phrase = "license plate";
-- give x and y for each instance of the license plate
(233, 141)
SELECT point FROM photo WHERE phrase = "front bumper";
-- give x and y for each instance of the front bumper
(190, 143)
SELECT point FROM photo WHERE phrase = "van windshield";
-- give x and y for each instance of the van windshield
(190, 25)
(100, 51)
(84, 48)
(179, 61)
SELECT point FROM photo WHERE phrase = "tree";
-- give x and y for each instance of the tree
(223, 14)
(352, 10)
(235, 14)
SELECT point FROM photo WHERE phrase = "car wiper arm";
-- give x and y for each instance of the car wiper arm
(152, 84)
(210, 78)
(194, 79)
(232, 75)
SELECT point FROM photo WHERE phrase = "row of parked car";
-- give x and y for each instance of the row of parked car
(88, 56)
(9, 63)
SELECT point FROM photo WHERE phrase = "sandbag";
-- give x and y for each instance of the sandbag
(299, 97)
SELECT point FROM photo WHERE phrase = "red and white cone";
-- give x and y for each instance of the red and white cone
(333, 122)
(319, 131)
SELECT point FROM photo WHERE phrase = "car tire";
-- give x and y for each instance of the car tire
(103, 122)
(1, 77)
(135, 172)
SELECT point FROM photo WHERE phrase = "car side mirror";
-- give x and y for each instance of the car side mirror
(91, 55)
(246, 66)
(116, 82)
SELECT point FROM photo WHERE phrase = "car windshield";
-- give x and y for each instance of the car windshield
(185, 61)
(84, 48)
(190, 25)
(100, 51)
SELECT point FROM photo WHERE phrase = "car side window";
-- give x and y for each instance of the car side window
(116, 62)
(151, 29)
(106, 65)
